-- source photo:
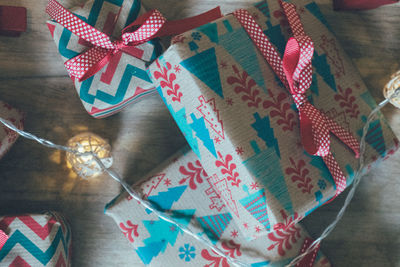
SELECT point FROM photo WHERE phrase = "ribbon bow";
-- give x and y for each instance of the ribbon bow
(295, 72)
(151, 25)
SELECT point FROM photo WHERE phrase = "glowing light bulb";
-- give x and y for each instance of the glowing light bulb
(86, 165)
(391, 87)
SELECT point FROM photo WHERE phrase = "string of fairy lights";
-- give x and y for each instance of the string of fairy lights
(90, 155)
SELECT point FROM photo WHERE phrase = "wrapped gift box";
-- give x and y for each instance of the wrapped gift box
(7, 136)
(181, 186)
(35, 240)
(243, 124)
(124, 79)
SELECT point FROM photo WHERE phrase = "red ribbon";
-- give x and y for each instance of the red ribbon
(151, 25)
(3, 238)
(295, 72)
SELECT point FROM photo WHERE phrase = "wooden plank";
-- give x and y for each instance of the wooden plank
(33, 178)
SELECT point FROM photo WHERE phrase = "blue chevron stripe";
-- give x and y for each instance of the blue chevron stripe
(96, 8)
(134, 12)
(130, 71)
(43, 257)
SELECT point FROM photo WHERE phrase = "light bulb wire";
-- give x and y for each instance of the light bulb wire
(162, 215)
(131, 192)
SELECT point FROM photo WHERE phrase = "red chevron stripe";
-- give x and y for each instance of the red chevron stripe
(19, 262)
(41, 231)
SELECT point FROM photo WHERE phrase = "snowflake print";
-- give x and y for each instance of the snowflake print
(187, 252)
(167, 182)
(257, 229)
(246, 225)
(254, 186)
(234, 233)
(177, 69)
(322, 184)
(255, 16)
(229, 101)
(196, 36)
(239, 151)
(217, 140)
(172, 229)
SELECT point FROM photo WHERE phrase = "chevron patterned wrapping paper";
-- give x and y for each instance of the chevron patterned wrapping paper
(124, 79)
(182, 186)
(8, 137)
(36, 240)
(243, 124)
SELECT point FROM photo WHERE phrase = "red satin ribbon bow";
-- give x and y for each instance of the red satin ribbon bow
(152, 25)
(3, 238)
(295, 72)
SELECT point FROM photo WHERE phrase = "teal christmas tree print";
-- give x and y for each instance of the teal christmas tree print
(375, 136)
(256, 205)
(215, 225)
(205, 67)
(162, 233)
(265, 132)
(265, 166)
(199, 126)
(165, 200)
(276, 37)
(314, 9)
(321, 65)
(238, 44)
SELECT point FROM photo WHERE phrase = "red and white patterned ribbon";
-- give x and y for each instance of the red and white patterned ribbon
(3, 238)
(88, 63)
(295, 72)
(151, 25)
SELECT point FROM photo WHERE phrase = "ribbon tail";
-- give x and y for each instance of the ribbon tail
(89, 63)
(337, 174)
(344, 135)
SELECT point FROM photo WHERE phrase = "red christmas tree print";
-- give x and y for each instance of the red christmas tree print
(346, 100)
(333, 55)
(244, 85)
(194, 173)
(285, 234)
(151, 184)
(222, 189)
(167, 81)
(231, 248)
(280, 108)
(300, 174)
(227, 168)
(211, 115)
(129, 230)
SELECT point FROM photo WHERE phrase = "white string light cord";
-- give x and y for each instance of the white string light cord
(164, 216)
(131, 192)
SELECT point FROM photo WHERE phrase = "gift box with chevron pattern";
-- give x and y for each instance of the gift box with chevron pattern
(124, 79)
(35, 240)
(182, 187)
(7, 136)
(242, 122)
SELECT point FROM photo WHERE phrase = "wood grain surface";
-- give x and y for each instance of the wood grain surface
(34, 178)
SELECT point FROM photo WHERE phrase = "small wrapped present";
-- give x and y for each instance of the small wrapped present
(259, 122)
(7, 136)
(181, 186)
(123, 80)
(35, 240)
(108, 75)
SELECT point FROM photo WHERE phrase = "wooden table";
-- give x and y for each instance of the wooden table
(34, 178)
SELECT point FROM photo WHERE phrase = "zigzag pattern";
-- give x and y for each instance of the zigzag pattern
(23, 244)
